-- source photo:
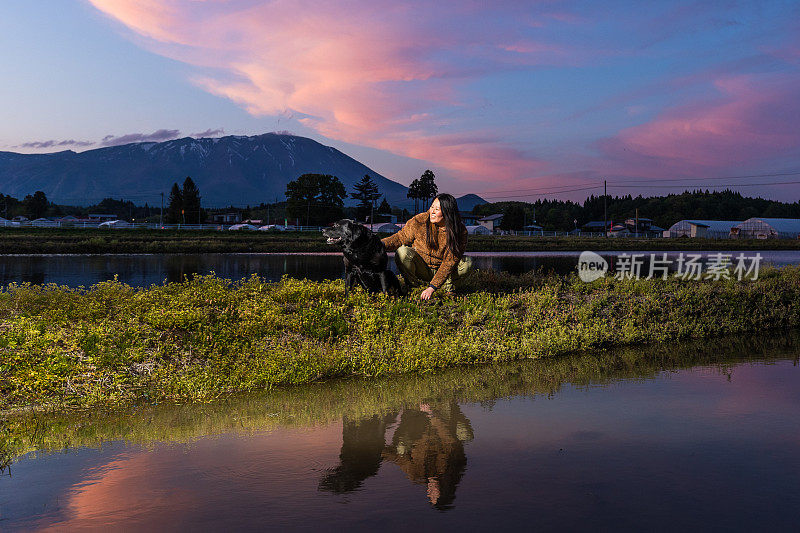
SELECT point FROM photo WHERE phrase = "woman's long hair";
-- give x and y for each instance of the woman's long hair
(452, 223)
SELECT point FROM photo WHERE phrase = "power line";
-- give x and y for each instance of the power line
(705, 186)
(717, 178)
(544, 189)
(642, 180)
(545, 193)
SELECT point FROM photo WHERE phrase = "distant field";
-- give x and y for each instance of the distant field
(97, 241)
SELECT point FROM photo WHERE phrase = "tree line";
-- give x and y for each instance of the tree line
(318, 199)
(664, 211)
(37, 205)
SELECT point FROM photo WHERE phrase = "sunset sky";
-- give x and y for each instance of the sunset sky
(507, 99)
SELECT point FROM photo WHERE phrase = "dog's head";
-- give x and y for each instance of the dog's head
(345, 232)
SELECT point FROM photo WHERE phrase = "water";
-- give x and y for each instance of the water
(692, 436)
(144, 270)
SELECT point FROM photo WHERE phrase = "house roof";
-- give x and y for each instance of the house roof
(492, 217)
(594, 224)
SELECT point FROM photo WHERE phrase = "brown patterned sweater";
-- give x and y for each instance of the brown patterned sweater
(440, 258)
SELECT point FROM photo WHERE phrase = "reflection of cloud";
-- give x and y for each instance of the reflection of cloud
(208, 133)
(53, 143)
(177, 486)
(382, 76)
(125, 489)
(156, 136)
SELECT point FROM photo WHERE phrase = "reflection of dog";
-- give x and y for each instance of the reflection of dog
(364, 258)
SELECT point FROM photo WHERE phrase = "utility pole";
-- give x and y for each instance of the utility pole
(162, 212)
(605, 216)
(637, 222)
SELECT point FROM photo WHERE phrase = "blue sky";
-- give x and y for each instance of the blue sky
(535, 98)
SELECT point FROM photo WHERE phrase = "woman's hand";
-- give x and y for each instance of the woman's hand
(426, 294)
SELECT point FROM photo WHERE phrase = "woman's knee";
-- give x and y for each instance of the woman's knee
(407, 258)
(464, 266)
(404, 254)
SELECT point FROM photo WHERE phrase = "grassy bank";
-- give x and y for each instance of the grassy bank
(97, 241)
(208, 337)
(354, 399)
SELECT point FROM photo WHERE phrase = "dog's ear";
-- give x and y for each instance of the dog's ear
(359, 232)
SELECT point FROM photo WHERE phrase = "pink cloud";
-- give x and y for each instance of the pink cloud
(754, 118)
(371, 73)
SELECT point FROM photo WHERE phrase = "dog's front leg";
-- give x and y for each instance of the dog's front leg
(349, 281)
(385, 285)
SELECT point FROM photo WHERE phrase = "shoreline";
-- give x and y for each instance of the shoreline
(516, 253)
(95, 241)
(325, 402)
(207, 338)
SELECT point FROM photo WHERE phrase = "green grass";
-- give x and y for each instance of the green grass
(354, 399)
(89, 241)
(209, 337)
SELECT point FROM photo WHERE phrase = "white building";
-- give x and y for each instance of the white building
(767, 228)
(491, 222)
(478, 230)
(710, 229)
(243, 227)
(383, 227)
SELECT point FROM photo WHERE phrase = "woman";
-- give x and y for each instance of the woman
(430, 247)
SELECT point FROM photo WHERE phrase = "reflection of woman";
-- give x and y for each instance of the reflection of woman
(428, 447)
(430, 247)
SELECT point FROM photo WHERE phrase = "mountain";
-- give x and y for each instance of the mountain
(468, 201)
(235, 170)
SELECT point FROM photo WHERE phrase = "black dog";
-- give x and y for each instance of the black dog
(365, 258)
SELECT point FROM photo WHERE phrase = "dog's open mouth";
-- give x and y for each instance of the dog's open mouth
(334, 240)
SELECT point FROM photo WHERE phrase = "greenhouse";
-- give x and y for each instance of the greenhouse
(478, 230)
(710, 229)
(767, 228)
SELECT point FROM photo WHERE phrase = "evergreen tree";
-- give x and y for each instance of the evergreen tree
(36, 205)
(175, 206)
(366, 192)
(513, 217)
(191, 202)
(317, 199)
(385, 208)
(414, 192)
(427, 187)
